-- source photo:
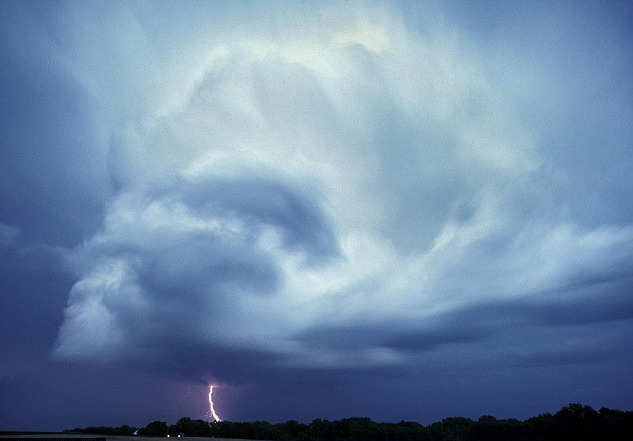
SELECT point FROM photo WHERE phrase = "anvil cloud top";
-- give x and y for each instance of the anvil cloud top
(398, 210)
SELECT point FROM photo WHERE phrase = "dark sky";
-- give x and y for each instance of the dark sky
(396, 210)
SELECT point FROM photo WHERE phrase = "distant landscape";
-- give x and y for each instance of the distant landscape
(575, 422)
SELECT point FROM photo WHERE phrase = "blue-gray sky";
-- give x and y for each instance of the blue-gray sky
(401, 210)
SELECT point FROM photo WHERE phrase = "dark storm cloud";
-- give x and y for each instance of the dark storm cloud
(171, 273)
(604, 302)
(425, 340)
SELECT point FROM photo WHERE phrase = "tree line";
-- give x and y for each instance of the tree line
(574, 422)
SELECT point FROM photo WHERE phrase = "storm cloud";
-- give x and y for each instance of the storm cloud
(357, 196)
(296, 197)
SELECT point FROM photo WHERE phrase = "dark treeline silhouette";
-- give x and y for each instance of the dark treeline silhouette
(575, 422)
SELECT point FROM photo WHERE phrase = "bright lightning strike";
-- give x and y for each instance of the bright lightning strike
(211, 409)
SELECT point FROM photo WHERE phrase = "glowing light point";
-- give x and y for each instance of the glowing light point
(212, 413)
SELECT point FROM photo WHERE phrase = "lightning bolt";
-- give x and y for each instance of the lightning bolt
(212, 413)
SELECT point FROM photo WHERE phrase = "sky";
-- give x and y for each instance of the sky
(399, 210)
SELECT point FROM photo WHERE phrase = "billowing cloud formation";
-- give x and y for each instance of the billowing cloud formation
(196, 261)
(357, 196)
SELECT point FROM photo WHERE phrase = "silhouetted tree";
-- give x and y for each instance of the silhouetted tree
(191, 427)
(294, 430)
(155, 428)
